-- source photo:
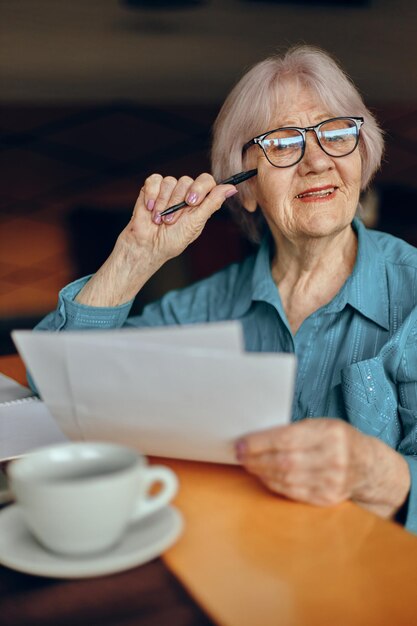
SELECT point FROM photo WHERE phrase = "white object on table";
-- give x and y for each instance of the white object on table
(181, 392)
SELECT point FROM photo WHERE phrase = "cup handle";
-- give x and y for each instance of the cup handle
(169, 487)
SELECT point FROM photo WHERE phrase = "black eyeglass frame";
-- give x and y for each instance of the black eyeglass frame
(303, 131)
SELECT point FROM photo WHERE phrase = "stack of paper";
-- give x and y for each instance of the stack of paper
(185, 392)
(25, 421)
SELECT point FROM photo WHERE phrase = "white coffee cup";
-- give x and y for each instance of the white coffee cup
(79, 498)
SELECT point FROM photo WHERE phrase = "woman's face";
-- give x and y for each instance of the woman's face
(284, 194)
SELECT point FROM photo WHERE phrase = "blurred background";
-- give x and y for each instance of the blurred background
(97, 94)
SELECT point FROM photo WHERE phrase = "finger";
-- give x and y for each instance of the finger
(139, 204)
(279, 438)
(304, 435)
(151, 189)
(201, 213)
(199, 189)
(167, 186)
(298, 469)
(327, 484)
(281, 463)
(213, 201)
(303, 488)
(298, 493)
(319, 493)
(179, 192)
(321, 458)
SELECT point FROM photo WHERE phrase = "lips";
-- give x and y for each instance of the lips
(317, 192)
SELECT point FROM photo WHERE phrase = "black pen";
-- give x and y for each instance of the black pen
(233, 180)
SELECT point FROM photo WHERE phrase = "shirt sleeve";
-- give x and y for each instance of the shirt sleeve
(174, 308)
(407, 408)
(222, 296)
(71, 315)
(207, 300)
(409, 515)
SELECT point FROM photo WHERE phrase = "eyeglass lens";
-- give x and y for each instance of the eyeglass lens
(336, 137)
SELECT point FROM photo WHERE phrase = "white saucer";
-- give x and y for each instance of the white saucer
(143, 541)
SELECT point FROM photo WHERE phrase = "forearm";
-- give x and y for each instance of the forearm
(148, 241)
(121, 276)
(385, 482)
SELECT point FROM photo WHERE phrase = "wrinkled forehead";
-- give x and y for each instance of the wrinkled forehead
(295, 102)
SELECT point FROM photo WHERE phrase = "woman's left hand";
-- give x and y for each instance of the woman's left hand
(325, 461)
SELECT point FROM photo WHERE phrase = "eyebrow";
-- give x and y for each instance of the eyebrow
(318, 119)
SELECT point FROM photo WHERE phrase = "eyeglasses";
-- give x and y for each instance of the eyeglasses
(284, 147)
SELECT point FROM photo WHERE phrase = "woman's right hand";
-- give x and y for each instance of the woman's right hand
(163, 238)
(148, 241)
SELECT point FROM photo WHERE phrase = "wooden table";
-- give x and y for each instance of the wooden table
(249, 558)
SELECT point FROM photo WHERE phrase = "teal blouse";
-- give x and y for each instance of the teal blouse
(357, 355)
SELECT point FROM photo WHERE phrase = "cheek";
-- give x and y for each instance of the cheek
(273, 188)
(351, 173)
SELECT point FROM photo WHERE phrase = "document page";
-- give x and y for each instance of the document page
(11, 390)
(190, 404)
(25, 425)
(25, 421)
(181, 392)
(45, 357)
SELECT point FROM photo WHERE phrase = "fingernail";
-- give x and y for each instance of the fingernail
(231, 193)
(241, 449)
(169, 218)
(157, 219)
(150, 205)
(192, 198)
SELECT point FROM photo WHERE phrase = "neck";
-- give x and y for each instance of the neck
(311, 272)
(313, 257)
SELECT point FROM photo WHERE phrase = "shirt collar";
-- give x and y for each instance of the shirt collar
(366, 289)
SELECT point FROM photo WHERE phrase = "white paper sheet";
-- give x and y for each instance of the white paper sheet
(25, 425)
(185, 392)
(25, 422)
(45, 356)
(11, 390)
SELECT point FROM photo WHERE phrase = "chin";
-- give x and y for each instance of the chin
(324, 225)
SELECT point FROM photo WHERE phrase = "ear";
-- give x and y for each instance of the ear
(251, 206)
(249, 200)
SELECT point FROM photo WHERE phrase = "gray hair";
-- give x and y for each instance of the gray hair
(251, 107)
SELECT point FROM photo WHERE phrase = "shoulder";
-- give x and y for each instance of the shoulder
(392, 262)
(395, 251)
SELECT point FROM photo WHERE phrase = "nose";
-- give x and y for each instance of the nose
(315, 160)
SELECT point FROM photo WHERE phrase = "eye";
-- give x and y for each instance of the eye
(282, 144)
(334, 137)
(276, 145)
(338, 135)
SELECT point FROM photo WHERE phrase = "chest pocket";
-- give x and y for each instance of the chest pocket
(371, 400)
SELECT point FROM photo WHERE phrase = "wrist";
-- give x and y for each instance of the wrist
(120, 277)
(384, 481)
(135, 261)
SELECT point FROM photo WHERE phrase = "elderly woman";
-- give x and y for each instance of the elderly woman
(321, 285)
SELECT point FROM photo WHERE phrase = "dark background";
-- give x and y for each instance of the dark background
(95, 95)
